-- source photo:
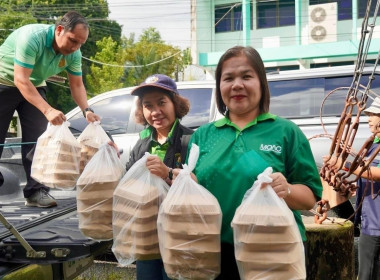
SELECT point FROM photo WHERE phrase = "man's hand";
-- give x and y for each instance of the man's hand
(92, 117)
(55, 117)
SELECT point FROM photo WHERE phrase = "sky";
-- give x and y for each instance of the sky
(170, 17)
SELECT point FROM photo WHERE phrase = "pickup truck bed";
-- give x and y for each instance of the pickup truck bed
(52, 230)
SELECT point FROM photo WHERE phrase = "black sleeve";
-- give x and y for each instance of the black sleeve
(344, 210)
(134, 155)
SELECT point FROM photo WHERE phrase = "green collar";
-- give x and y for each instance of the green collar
(150, 130)
(377, 140)
(262, 117)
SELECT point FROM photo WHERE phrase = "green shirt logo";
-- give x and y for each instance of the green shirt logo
(271, 148)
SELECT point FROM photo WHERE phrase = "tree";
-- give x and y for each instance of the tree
(151, 55)
(11, 20)
(137, 60)
(107, 76)
(151, 35)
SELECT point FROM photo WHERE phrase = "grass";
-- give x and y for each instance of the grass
(108, 271)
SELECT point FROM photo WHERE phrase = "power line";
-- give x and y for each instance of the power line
(131, 66)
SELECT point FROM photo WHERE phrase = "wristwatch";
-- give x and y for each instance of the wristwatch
(170, 174)
(86, 110)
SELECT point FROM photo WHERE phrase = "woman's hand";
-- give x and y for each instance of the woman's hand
(177, 170)
(157, 167)
(296, 196)
(112, 144)
(279, 184)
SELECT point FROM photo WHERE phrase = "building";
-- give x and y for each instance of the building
(289, 34)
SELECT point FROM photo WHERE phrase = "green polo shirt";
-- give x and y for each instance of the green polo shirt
(30, 46)
(230, 159)
(375, 141)
(156, 148)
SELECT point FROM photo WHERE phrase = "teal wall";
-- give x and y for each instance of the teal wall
(346, 49)
(292, 47)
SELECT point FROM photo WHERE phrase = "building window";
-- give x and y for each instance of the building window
(344, 7)
(275, 13)
(363, 8)
(229, 18)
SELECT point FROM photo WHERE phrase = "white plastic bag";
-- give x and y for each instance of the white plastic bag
(60, 160)
(189, 224)
(268, 244)
(135, 208)
(95, 189)
(40, 155)
(91, 138)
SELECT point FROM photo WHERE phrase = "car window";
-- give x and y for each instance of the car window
(303, 97)
(200, 100)
(114, 112)
(335, 102)
(296, 98)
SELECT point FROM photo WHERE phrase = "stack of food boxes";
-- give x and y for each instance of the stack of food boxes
(95, 188)
(190, 235)
(88, 150)
(61, 164)
(270, 249)
(135, 221)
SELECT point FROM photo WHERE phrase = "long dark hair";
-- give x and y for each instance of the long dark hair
(256, 62)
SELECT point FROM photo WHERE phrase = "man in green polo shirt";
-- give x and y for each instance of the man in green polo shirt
(28, 57)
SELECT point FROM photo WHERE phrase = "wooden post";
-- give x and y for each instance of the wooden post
(330, 249)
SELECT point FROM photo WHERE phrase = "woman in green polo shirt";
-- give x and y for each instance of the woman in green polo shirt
(233, 151)
(160, 107)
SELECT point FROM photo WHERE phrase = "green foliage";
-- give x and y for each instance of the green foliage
(136, 60)
(59, 97)
(187, 60)
(151, 35)
(11, 20)
(107, 76)
(151, 55)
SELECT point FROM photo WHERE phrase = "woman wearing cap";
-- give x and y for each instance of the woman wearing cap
(234, 150)
(160, 107)
(368, 217)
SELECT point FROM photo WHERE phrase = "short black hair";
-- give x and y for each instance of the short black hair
(72, 19)
(257, 64)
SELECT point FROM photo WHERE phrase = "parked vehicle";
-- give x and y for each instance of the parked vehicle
(296, 95)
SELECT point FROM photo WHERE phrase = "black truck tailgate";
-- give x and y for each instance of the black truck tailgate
(52, 230)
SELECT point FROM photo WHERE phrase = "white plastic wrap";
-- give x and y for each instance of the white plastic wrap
(189, 224)
(60, 160)
(91, 138)
(95, 189)
(135, 208)
(268, 244)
